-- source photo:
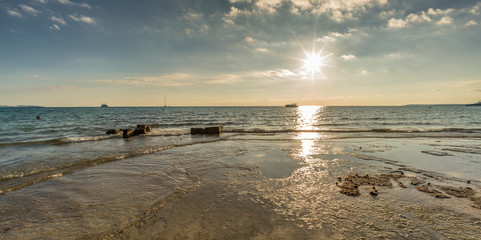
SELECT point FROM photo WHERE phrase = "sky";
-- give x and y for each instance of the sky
(239, 52)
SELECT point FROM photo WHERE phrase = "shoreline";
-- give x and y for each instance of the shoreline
(245, 186)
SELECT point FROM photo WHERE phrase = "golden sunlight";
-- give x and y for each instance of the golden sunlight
(307, 117)
(313, 63)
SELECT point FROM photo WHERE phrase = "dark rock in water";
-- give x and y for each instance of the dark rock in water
(140, 129)
(373, 192)
(128, 133)
(112, 131)
(207, 130)
(145, 127)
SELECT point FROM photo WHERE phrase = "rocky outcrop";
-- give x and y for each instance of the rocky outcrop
(140, 129)
(113, 131)
(207, 130)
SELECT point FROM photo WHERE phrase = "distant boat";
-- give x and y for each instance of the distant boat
(474, 104)
(104, 105)
(292, 105)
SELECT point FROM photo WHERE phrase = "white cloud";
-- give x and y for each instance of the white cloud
(364, 72)
(58, 20)
(386, 14)
(445, 21)
(471, 23)
(421, 17)
(348, 57)
(394, 55)
(249, 39)
(475, 9)
(14, 13)
(234, 12)
(55, 27)
(42, 1)
(396, 23)
(82, 18)
(268, 6)
(262, 49)
(302, 4)
(68, 2)
(236, 1)
(223, 79)
(437, 12)
(418, 18)
(192, 16)
(173, 80)
(280, 73)
(334, 36)
(28, 9)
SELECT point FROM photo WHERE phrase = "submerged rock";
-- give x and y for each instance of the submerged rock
(140, 129)
(128, 133)
(112, 131)
(207, 130)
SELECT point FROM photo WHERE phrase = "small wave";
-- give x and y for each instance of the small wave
(86, 139)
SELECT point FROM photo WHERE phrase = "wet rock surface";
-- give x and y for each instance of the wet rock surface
(350, 186)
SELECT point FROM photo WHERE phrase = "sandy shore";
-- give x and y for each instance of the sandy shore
(236, 200)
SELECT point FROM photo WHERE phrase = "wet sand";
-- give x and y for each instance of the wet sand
(236, 200)
(258, 186)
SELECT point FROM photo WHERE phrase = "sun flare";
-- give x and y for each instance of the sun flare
(313, 63)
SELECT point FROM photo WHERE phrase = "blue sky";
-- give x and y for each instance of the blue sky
(239, 52)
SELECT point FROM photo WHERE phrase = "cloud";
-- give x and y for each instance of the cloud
(68, 2)
(58, 88)
(42, 1)
(422, 17)
(471, 23)
(14, 13)
(445, 21)
(348, 57)
(262, 49)
(249, 39)
(396, 23)
(230, 17)
(28, 9)
(436, 12)
(58, 20)
(280, 73)
(364, 72)
(223, 79)
(334, 36)
(82, 18)
(268, 6)
(173, 80)
(55, 27)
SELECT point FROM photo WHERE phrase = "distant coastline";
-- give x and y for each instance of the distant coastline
(22, 106)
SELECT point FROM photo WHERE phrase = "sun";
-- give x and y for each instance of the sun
(313, 63)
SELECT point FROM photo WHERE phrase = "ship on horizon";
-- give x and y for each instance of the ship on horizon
(104, 105)
(292, 105)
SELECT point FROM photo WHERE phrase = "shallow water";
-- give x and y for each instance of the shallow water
(63, 178)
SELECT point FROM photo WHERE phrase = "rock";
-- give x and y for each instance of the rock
(112, 131)
(140, 129)
(207, 130)
(373, 192)
(128, 133)
(147, 128)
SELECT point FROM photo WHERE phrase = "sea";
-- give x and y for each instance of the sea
(63, 177)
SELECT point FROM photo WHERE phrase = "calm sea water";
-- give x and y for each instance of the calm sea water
(67, 148)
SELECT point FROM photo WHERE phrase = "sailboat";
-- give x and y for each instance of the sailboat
(165, 101)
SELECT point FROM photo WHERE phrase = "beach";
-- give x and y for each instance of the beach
(247, 183)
